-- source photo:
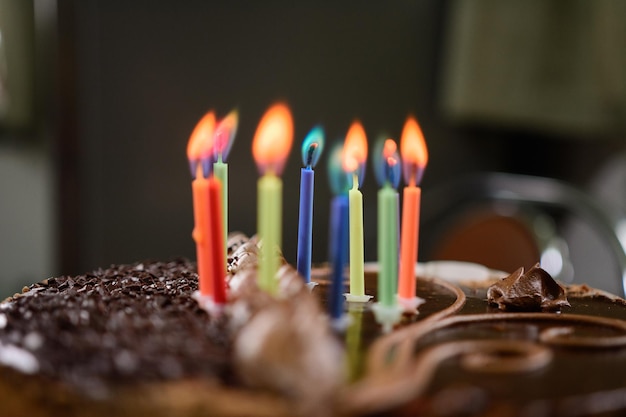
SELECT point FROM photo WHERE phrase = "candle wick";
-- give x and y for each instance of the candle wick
(207, 166)
(310, 155)
(219, 157)
(199, 172)
(355, 181)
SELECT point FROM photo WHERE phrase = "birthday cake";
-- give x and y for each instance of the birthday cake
(132, 340)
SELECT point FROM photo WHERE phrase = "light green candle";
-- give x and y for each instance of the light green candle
(387, 245)
(220, 169)
(270, 188)
(357, 277)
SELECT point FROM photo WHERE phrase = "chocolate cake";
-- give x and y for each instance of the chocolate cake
(131, 340)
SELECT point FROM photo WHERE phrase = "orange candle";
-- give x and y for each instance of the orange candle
(414, 156)
(200, 213)
(199, 150)
(409, 240)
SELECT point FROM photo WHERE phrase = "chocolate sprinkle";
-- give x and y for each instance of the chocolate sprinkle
(124, 324)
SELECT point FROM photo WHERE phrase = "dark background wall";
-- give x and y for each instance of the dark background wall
(131, 78)
(147, 71)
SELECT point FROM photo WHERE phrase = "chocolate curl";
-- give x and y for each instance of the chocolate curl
(531, 291)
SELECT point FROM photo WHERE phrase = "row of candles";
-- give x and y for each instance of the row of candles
(207, 151)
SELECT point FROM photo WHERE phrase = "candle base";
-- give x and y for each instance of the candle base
(206, 303)
(387, 316)
(351, 298)
(340, 324)
(356, 307)
(409, 305)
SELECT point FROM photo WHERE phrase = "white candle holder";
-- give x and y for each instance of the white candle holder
(341, 324)
(351, 298)
(410, 305)
(387, 316)
(206, 303)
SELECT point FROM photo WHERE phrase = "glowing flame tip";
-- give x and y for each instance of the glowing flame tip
(225, 135)
(414, 152)
(272, 140)
(355, 152)
(386, 163)
(312, 147)
(201, 142)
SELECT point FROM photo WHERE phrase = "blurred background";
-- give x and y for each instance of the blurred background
(98, 98)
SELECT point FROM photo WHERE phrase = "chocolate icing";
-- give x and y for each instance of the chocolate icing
(530, 291)
(138, 323)
(119, 325)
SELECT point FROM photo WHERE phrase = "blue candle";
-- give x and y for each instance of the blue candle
(339, 238)
(305, 223)
(311, 150)
(339, 213)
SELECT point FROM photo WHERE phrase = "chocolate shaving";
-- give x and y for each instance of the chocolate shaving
(123, 324)
(531, 291)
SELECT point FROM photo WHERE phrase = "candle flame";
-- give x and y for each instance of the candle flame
(387, 163)
(225, 135)
(355, 152)
(414, 152)
(312, 147)
(336, 175)
(272, 140)
(200, 145)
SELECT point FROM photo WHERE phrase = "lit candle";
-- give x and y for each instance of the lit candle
(218, 264)
(388, 175)
(224, 138)
(354, 158)
(198, 145)
(312, 147)
(414, 159)
(387, 169)
(270, 149)
(338, 235)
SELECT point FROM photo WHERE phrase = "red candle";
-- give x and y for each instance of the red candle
(414, 156)
(216, 240)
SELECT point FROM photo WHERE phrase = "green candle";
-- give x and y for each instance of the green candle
(357, 277)
(270, 189)
(387, 244)
(224, 138)
(270, 149)
(387, 170)
(220, 170)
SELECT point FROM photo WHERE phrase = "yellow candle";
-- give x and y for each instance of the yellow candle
(357, 276)
(353, 159)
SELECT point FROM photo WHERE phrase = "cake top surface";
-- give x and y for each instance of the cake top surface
(123, 324)
(139, 323)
